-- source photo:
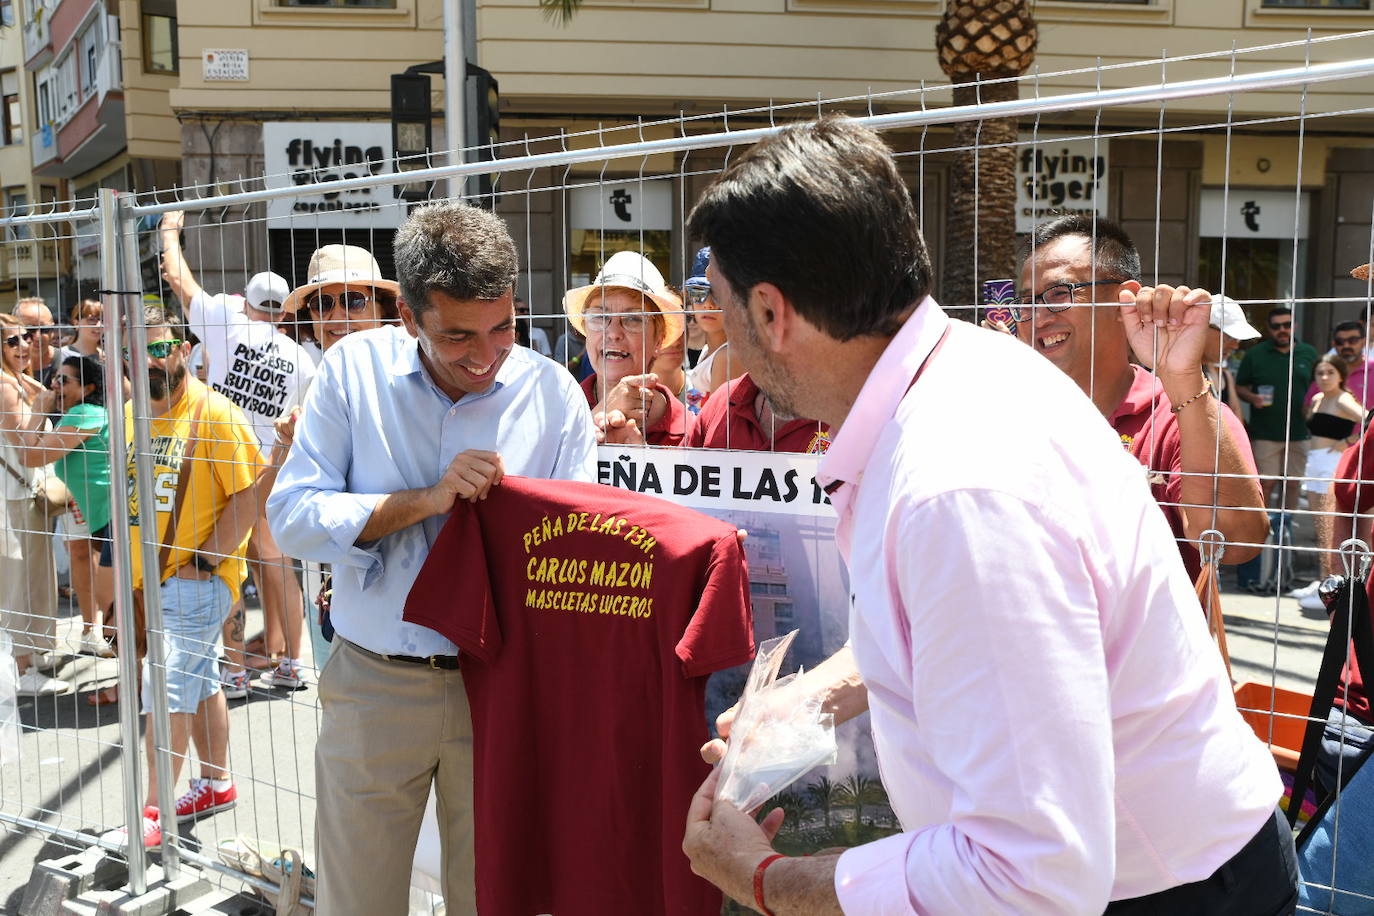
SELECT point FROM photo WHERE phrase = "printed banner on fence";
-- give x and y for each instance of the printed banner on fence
(797, 580)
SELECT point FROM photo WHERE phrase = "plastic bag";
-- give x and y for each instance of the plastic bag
(775, 738)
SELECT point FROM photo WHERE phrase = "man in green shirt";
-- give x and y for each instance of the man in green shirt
(1272, 379)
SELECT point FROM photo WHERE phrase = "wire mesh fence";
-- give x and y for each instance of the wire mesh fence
(201, 312)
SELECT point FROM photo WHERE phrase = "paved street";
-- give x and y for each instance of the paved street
(69, 762)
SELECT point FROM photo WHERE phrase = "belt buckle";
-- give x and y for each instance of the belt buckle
(433, 664)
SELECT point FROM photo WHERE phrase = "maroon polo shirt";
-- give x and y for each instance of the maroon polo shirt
(672, 429)
(728, 420)
(1149, 431)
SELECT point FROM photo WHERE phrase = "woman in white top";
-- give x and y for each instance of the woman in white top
(28, 578)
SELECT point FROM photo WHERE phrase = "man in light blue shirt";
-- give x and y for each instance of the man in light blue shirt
(399, 424)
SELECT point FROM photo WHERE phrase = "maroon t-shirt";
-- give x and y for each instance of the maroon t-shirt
(1149, 431)
(588, 619)
(728, 419)
(671, 429)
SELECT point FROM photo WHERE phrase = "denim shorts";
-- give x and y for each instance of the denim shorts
(193, 614)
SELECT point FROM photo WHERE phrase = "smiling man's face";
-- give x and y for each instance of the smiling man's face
(463, 341)
(1086, 341)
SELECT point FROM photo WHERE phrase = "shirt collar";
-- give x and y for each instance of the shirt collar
(881, 394)
(407, 362)
(1145, 390)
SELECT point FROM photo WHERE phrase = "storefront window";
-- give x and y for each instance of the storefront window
(590, 248)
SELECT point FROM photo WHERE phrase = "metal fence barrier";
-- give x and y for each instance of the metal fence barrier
(75, 770)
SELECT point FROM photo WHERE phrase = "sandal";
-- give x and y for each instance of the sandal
(108, 696)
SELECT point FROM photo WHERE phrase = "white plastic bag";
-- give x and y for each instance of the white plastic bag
(776, 738)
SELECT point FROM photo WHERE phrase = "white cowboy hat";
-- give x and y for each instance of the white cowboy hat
(632, 271)
(340, 264)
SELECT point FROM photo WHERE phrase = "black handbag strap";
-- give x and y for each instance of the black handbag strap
(1350, 623)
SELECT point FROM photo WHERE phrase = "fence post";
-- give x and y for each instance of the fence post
(131, 750)
(131, 286)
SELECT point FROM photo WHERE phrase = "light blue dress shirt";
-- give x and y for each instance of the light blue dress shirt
(375, 423)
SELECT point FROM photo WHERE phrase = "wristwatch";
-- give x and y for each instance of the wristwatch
(201, 563)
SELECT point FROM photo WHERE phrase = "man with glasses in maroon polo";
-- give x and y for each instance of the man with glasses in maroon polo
(1076, 273)
(1270, 378)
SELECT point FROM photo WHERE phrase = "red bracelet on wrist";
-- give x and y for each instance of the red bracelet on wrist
(758, 882)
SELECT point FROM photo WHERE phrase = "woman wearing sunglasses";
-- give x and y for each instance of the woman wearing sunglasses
(345, 292)
(28, 578)
(78, 447)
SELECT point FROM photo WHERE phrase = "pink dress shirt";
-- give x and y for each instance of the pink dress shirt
(1054, 727)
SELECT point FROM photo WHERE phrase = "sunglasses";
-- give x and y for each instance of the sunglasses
(61, 379)
(13, 339)
(696, 296)
(351, 301)
(1342, 341)
(1281, 326)
(600, 321)
(160, 349)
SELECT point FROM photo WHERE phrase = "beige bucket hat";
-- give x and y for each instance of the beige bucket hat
(340, 264)
(632, 271)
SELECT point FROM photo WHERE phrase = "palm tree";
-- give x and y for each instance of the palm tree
(825, 795)
(982, 40)
(793, 807)
(857, 791)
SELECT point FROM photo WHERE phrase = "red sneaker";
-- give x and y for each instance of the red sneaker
(202, 800)
(152, 831)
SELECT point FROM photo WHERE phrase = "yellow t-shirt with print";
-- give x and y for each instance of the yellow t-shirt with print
(223, 462)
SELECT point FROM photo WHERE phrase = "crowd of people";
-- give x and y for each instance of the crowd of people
(317, 437)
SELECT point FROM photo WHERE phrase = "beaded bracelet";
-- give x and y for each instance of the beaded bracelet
(1206, 387)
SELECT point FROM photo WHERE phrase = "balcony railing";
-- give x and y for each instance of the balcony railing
(36, 32)
(29, 258)
(43, 142)
(109, 76)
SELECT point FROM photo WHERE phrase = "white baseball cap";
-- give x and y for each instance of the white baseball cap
(1229, 319)
(267, 287)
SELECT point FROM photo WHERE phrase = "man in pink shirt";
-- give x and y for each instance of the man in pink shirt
(1055, 728)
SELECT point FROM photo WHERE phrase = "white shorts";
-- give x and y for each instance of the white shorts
(1321, 469)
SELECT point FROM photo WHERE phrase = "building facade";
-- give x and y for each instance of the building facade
(1287, 200)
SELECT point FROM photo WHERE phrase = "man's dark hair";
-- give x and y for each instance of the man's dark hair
(157, 316)
(1114, 252)
(1278, 310)
(820, 211)
(460, 250)
(88, 372)
(1348, 326)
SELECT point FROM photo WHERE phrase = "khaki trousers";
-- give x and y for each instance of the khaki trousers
(390, 729)
(28, 577)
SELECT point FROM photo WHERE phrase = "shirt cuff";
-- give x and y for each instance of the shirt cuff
(871, 879)
(349, 516)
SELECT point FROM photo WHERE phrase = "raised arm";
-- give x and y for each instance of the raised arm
(1217, 475)
(178, 274)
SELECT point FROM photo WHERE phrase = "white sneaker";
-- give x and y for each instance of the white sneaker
(34, 683)
(1309, 589)
(1312, 602)
(94, 644)
(46, 661)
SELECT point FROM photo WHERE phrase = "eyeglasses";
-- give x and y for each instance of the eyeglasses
(13, 339)
(696, 295)
(1280, 326)
(160, 349)
(600, 321)
(350, 300)
(1342, 341)
(1056, 298)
